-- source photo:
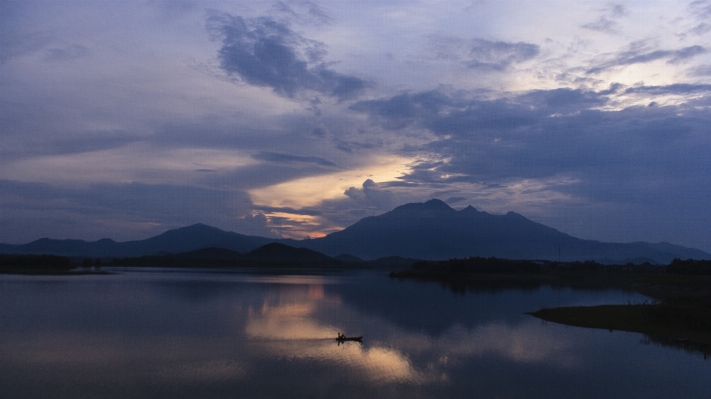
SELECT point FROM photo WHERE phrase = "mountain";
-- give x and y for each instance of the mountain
(433, 230)
(277, 252)
(430, 230)
(183, 239)
(267, 256)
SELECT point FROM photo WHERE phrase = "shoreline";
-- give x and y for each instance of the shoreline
(680, 315)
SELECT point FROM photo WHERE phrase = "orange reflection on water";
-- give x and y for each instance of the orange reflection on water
(287, 325)
(286, 313)
(316, 292)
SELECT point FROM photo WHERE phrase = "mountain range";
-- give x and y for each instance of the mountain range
(431, 230)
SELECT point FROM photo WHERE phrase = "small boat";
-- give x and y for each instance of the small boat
(343, 338)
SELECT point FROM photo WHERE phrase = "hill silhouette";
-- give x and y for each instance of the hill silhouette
(431, 231)
(266, 256)
(277, 252)
(184, 239)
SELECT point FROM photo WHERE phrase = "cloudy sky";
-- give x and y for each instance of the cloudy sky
(123, 119)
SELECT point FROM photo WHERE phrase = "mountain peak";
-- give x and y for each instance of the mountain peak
(197, 228)
(431, 205)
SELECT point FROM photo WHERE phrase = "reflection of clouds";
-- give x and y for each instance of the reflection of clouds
(287, 314)
(376, 364)
(523, 343)
(288, 325)
(286, 322)
(383, 365)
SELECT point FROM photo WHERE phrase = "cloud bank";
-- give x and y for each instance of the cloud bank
(298, 118)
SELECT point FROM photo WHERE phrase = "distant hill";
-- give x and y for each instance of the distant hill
(184, 239)
(277, 252)
(267, 256)
(433, 230)
(430, 231)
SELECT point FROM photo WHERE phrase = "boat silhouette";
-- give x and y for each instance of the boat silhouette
(344, 338)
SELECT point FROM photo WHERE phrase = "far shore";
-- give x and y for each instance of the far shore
(678, 314)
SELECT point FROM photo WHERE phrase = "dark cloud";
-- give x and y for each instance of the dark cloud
(287, 158)
(701, 29)
(618, 10)
(603, 25)
(369, 199)
(320, 132)
(353, 146)
(263, 175)
(254, 225)
(404, 109)
(701, 70)
(62, 143)
(499, 55)
(480, 54)
(606, 23)
(700, 8)
(447, 115)
(629, 155)
(638, 54)
(266, 52)
(679, 88)
(685, 53)
(303, 12)
(648, 158)
(564, 99)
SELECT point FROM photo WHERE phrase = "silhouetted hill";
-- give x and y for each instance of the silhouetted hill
(179, 240)
(433, 230)
(430, 231)
(276, 252)
(273, 255)
(212, 253)
(349, 258)
(193, 237)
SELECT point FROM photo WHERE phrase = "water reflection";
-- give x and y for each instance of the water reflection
(183, 334)
(288, 324)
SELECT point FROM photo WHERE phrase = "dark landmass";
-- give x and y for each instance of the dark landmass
(273, 255)
(430, 230)
(184, 239)
(434, 231)
(37, 265)
(686, 325)
(270, 256)
(679, 315)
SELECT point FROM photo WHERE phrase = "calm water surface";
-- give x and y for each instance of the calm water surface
(196, 334)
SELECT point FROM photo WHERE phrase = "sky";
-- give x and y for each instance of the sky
(298, 118)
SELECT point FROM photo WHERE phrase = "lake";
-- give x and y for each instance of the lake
(189, 333)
